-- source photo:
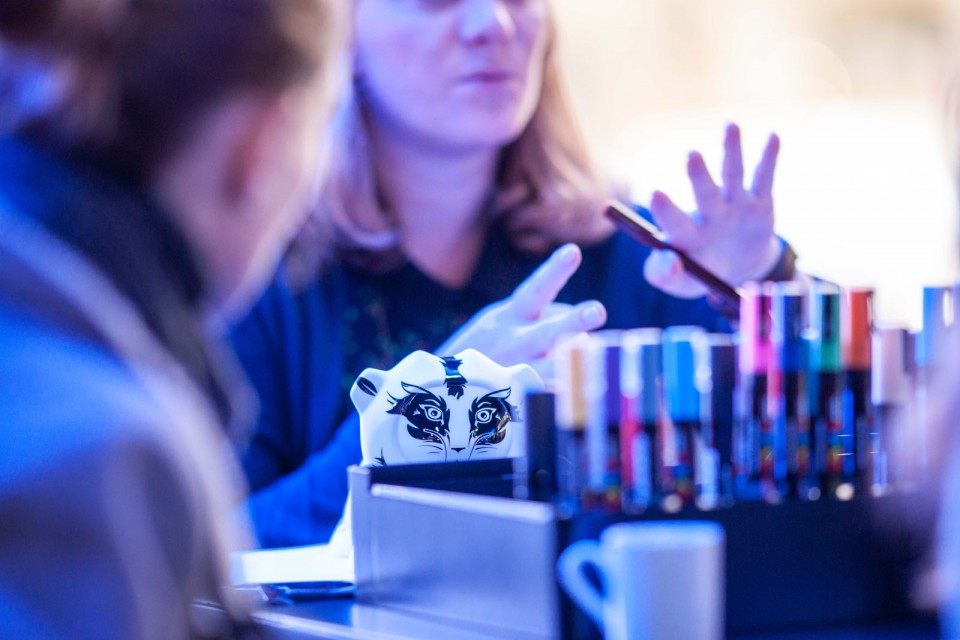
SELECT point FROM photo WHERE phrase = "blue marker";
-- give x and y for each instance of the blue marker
(940, 314)
(788, 393)
(683, 403)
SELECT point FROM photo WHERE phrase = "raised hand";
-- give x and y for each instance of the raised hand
(730, 233)
(524, 327)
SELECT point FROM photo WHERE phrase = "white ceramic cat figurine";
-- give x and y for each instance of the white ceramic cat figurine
(438, 409)
(442, 409)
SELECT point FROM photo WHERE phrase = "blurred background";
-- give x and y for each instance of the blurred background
(858, 90)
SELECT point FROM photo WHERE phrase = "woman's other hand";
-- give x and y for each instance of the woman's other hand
(730, 233)
(524, 327)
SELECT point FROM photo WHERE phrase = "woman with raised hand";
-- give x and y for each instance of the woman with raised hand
(459, 170)
(156, 156)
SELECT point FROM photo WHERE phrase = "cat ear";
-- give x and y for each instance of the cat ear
(366, 387)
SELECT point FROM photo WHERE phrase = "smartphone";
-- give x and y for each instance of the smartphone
(648, 234)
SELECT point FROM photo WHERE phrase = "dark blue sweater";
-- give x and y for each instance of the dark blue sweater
(303, 349)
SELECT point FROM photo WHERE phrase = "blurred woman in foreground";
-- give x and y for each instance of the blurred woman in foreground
(156, 157)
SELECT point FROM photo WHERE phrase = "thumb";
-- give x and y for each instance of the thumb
(664, 270)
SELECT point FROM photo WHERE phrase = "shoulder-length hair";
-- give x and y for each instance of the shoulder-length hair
(547, 190)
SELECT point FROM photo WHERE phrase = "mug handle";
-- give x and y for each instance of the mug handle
(570, 571)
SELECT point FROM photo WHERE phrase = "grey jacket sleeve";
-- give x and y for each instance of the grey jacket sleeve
(100, 543)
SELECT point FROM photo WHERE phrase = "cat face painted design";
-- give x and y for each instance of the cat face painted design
(430, 409)
(481, 433)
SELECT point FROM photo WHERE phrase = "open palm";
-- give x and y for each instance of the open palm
(730, 233)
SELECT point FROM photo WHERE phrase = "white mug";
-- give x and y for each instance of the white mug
(661, 580)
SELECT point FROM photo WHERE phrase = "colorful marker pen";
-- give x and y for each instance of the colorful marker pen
(682, 399)
(856, 325)
(788, 392)
(720, 388)
(603, 421)
(889, 395)
(571, 359)
(641, 425)
(825, 389)
(714, 367)
(755, 459)
(940, 315)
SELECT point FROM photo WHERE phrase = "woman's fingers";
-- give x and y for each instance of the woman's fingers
(542, 336)
(540, 289)
(705, 190)
(679, 227)
(763, 178)
(732, 171)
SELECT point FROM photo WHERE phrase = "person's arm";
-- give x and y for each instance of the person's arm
(303, 507)
(297, 456)
(258, 343)
(101, 540)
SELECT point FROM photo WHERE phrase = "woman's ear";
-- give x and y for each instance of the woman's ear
(250, 161)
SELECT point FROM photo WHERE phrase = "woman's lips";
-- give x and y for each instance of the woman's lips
(488, 76)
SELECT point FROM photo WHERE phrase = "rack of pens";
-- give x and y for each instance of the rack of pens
(809, 400)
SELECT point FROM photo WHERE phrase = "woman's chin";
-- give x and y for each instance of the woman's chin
(485, 135)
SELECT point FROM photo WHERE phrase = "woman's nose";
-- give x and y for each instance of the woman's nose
(486, 20)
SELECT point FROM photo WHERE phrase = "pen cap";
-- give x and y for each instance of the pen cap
(889, 374)
(642, 363)
(939, 316)
(680, 372)
(609, 343)
(856, 324)
(786, 334)
(823, 333)
(910, 351)
(722, 355)
(754, 329)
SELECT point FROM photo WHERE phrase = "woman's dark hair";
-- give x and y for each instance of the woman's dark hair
(126, 79)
